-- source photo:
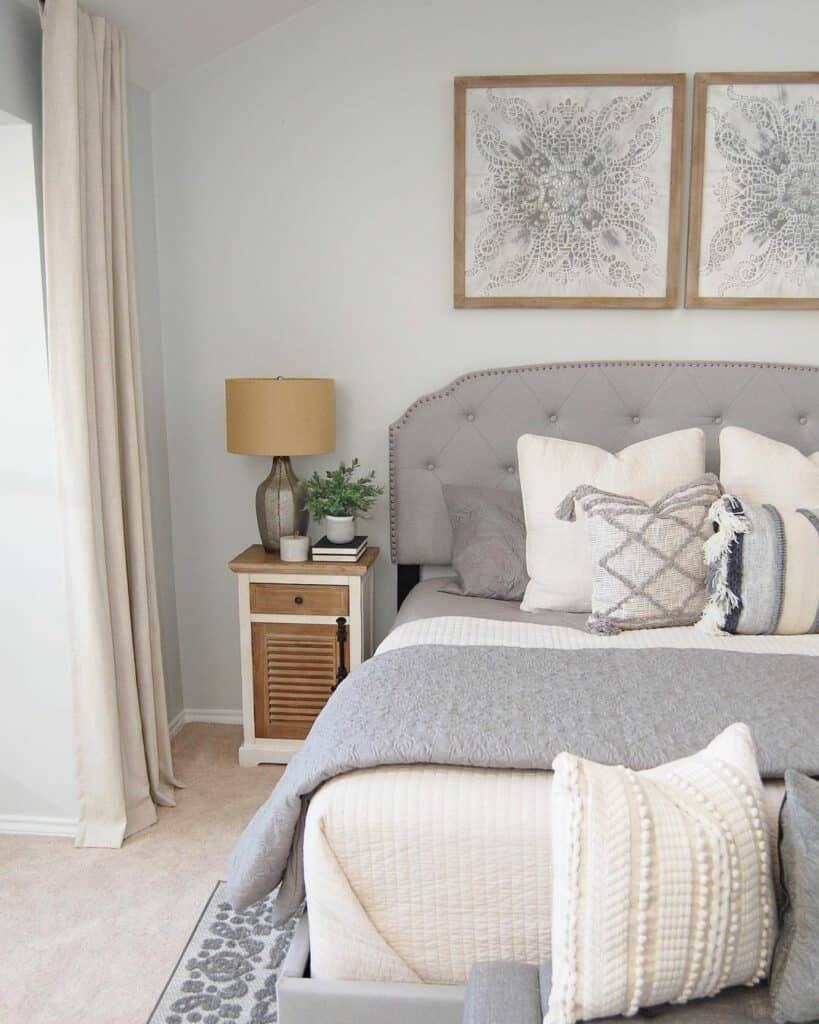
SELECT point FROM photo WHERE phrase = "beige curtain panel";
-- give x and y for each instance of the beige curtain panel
(123, 746)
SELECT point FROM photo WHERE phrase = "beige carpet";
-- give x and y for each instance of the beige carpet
(90, 936)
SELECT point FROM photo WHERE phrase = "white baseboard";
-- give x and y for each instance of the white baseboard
(26, 825)
(216, 716)
(219, 716)
(176, 723)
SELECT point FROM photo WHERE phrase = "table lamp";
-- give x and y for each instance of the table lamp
(280, 416)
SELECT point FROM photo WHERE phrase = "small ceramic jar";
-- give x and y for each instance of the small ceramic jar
(340, 529)
(294, 548)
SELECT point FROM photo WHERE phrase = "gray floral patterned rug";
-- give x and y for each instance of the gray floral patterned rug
(229, 968)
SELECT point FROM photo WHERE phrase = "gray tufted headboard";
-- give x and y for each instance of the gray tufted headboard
(467, 432)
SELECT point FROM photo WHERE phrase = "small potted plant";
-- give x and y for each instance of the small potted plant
(338, 497)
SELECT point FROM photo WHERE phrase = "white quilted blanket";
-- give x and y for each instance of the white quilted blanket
(469, 631)
(414, 873)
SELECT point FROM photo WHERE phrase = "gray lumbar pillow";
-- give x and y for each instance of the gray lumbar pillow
(795, 971)
(488, 542)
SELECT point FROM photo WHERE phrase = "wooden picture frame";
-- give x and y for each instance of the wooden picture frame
(741, 241)
(663, 292)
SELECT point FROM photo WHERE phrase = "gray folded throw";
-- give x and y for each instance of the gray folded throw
(510, 707)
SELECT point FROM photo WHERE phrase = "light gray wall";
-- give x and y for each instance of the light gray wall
(20, 61)
(20, 94)
(153, 371)
(304, 187)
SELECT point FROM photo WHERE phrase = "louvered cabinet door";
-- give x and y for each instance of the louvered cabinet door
(295, 667)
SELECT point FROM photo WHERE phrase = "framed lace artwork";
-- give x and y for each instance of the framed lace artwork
(567, 190)
(753, 238)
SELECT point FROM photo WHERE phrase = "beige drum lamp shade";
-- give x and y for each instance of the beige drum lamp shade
(280, 415)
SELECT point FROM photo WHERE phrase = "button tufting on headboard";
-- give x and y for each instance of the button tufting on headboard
(433, 443)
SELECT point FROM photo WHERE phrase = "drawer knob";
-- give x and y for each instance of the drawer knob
(298, 599)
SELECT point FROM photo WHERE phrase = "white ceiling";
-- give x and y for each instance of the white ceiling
(166, 38)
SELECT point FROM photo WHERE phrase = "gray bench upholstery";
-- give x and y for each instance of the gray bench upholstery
(514, 993)
(503, 993)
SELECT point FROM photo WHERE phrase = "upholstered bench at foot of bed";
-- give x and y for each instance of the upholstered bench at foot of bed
(514, 993)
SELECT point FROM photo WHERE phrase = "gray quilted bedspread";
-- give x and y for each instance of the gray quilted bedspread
(511, 707)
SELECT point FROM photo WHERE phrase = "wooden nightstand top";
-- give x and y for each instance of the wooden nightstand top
(256, 559)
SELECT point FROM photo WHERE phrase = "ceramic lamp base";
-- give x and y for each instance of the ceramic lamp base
(280, 504)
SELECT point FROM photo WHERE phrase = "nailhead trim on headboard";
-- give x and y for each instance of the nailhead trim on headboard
(772, 370)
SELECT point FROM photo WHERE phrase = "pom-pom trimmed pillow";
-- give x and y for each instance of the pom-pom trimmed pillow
(557, 554)
(648, 569)
(662, 886)
(763, 569)
(488, 542)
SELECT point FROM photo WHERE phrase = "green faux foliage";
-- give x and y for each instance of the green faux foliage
(338, 493)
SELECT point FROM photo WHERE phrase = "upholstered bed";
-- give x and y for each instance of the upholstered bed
(413, 871)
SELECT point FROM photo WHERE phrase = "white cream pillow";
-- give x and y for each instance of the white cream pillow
(558, 555)
(662, 890)
(763, 471)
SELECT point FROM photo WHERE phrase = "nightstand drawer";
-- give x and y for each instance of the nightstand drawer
(291, 599)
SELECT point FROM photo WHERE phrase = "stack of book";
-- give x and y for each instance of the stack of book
(326, 551)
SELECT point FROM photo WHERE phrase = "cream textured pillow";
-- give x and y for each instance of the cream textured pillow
(662, 887)
(558, 555)
(762, 471)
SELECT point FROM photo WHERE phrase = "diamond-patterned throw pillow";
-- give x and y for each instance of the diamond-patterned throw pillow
(648, 563)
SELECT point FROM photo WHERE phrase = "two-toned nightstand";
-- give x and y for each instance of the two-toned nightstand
(303, 626)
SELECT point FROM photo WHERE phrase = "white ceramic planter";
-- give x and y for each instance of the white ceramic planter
(340, 529)
(294, 549)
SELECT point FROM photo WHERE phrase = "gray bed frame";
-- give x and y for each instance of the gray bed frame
(467, 433)
(306, 1000)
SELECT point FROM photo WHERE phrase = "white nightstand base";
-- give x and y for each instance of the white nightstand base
(291, 614)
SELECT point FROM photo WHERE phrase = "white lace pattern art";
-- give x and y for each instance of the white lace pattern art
(755, 191)
(566, 190)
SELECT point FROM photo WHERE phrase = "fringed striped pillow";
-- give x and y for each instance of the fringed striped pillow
(763, 569)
